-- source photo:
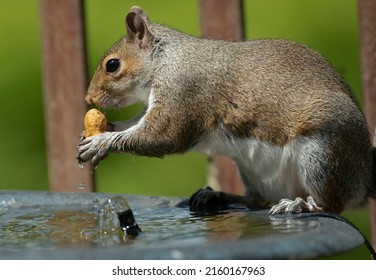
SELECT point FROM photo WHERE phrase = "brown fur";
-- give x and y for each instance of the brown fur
(268, 92)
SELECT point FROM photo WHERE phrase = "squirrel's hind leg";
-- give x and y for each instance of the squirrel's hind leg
(295, 206)
(209, 200)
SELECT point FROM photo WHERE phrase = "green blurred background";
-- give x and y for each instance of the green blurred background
(329, 26)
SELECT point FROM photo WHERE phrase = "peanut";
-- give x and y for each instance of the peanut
(95, 122)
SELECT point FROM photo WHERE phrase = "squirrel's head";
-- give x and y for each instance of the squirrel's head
(122, 77)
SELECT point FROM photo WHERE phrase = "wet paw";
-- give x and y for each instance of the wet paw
(206, 200)
(298, 205)
(94, 148)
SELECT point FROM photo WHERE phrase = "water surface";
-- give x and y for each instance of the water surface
(75, 225)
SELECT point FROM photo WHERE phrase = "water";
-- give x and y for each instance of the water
(57, 226)
(96, 203)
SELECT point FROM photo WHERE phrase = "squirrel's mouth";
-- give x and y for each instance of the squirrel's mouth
(100, 99)
(107, 101)
(118, 98)
(95, 99)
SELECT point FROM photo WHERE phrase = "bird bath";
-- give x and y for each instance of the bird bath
(48, 225)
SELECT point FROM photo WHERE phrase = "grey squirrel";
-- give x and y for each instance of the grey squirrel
(276, 107)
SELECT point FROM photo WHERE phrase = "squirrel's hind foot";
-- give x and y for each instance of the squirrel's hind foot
(298, 205)
(206, 200)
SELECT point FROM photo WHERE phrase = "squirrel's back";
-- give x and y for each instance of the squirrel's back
(286, 88)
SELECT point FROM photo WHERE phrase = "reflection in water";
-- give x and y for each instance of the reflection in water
(289, 225)
(55, 227)
(74, 232)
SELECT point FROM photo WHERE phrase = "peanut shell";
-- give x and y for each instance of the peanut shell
(95, 122)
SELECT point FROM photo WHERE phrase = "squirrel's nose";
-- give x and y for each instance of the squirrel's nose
(88, 100)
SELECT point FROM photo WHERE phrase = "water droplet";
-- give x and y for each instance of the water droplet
(82, 186)
(96, 203)
(119, 204)
(108, 220)
(81, 164)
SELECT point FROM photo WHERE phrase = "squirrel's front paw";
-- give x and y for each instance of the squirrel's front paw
(94, 148)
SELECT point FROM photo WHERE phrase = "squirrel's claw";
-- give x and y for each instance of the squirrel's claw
(94, 148)
(82, 135)
(295, 206)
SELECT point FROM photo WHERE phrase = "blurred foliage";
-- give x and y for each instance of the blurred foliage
(331, 27)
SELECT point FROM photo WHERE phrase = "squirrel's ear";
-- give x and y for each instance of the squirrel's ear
(137, 23)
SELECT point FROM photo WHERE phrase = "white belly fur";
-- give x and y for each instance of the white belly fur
(271, 171)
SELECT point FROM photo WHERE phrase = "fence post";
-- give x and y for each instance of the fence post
(367, 26)
(64, 83)
(223, 19)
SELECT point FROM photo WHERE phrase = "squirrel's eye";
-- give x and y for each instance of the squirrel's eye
(112, 65)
